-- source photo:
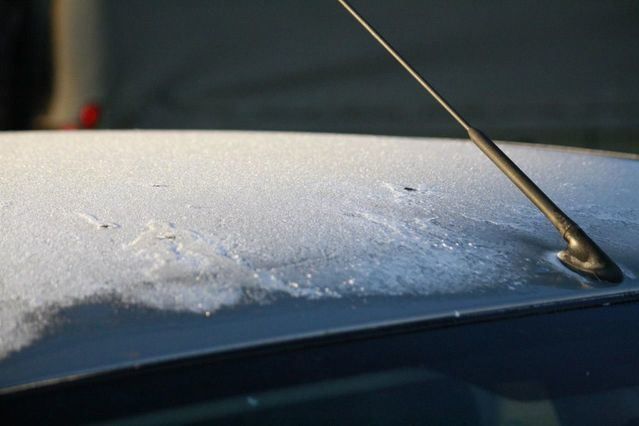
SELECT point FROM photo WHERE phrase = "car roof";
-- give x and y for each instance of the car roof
(123, 247)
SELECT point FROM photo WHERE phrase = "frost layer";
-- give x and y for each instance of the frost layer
(196, 221)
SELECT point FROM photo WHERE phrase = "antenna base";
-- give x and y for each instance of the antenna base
(585, 257)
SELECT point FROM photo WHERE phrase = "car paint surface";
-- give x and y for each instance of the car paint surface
(127, 247)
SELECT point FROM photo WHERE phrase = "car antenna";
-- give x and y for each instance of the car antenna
(582, 254)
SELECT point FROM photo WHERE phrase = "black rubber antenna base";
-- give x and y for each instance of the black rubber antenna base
(584, 256)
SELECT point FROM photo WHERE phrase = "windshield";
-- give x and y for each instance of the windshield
(400, 397)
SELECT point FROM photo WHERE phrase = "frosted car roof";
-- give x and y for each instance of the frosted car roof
(305, 232)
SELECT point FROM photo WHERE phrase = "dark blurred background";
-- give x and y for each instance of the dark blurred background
(560, 72)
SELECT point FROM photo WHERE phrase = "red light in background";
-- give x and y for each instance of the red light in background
(90, 116)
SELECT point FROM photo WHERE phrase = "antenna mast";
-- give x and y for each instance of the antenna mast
(582, 254)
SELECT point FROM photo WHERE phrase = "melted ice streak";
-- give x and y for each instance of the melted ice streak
(184, 270)
(195, 221)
